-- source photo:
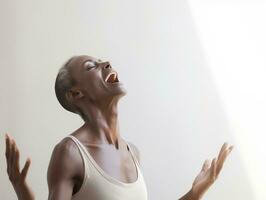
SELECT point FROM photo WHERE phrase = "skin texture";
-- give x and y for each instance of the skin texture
(100, 135)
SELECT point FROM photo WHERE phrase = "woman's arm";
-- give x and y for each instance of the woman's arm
(17, 177)
(208, 174)
(64, 164)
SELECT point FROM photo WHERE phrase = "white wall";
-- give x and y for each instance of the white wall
(173, 111)
(234, 42)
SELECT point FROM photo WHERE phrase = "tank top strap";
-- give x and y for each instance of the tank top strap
(133, 154)
(82, 152)
(85, 154)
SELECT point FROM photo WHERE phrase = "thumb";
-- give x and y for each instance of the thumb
(25, 169)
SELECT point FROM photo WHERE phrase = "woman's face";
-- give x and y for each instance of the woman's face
(96, 79)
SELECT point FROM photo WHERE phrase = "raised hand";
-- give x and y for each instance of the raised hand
(210, 172)
(17, 177)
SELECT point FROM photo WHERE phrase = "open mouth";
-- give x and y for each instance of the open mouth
(112, 78)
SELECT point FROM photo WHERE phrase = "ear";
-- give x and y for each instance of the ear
(74, 94)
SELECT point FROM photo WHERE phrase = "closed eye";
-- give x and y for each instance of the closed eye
(89, 65)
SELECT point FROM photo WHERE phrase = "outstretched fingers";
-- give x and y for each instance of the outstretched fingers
(223, 154)
(8, 149)
(12, 159)
(25, 169)
(222, 150)
(14, 162)
(16, 158)
(213, 170)
(205, 166)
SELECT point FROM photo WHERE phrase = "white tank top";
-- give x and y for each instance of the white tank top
(98, 185)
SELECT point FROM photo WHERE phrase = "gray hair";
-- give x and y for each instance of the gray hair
(63, 83)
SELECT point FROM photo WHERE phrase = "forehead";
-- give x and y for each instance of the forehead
(78, 61)
(76, 65)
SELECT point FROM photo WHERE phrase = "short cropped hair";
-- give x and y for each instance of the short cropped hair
(63, 83)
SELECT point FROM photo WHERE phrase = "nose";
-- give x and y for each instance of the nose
(106, 65)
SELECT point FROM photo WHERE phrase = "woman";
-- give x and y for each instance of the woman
(95, 162)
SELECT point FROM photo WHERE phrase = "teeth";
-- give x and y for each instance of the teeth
(112, 73)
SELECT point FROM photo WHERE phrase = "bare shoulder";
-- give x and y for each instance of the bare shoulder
(64, 162)
(66, 147)
(135, 150)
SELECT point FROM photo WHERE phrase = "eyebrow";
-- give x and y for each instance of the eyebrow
(98, 60)
(86, 61)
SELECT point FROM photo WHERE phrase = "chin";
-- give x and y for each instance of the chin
(121, 93)
(120, 90)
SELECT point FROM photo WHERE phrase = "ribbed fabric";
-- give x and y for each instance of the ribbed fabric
(98, 185)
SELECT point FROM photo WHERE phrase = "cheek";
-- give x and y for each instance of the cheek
(95, 87)
(91, 79)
